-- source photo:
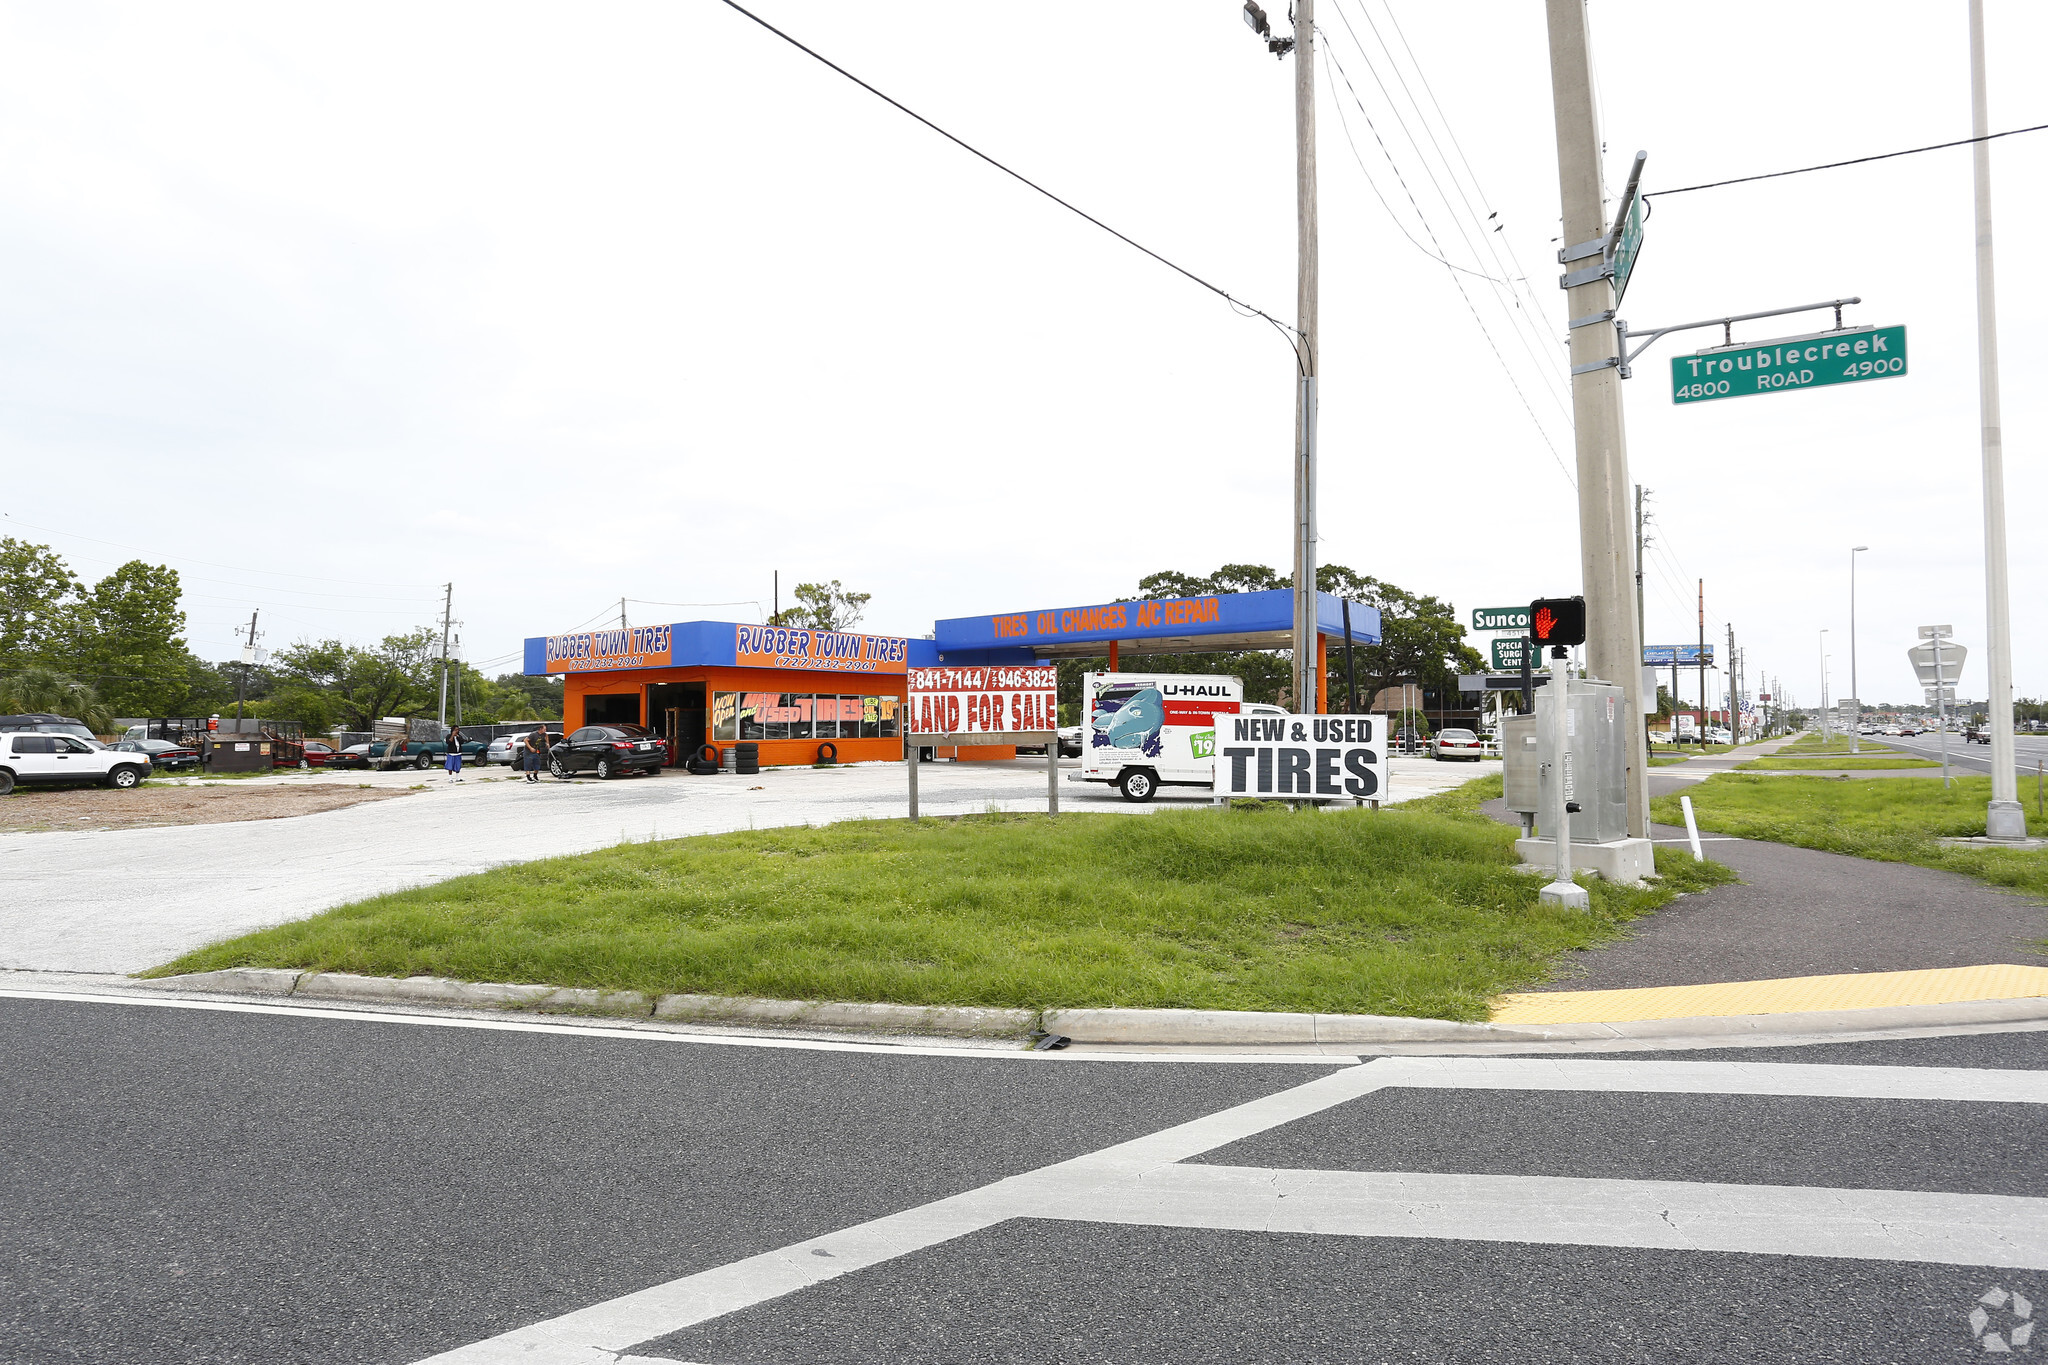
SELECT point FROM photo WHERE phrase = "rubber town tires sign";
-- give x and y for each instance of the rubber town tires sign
(1301, 758)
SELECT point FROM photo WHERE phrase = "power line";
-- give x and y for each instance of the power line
(235, 568)
(1519, 319)
(1853, 161)
(1018, 176)
(1513, 383)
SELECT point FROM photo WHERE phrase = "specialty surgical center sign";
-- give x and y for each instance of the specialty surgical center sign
(994, 701)
(1303, 758)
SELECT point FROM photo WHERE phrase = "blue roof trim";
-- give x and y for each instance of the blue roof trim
(1238, 613)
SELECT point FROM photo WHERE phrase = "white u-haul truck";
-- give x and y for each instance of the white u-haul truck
(1144, 731)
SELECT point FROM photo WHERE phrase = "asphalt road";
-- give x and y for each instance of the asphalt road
(1975, 758)
(269, 1184)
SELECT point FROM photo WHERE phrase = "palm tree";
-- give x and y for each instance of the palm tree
(44, 689)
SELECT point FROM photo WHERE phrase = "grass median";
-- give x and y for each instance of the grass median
(1885, 819)
(1412, 910)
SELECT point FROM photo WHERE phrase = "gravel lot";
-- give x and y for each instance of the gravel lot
(36, 809)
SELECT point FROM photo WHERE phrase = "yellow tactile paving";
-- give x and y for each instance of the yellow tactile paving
(1788, 995)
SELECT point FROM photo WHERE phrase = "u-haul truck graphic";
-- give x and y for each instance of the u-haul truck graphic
(1142, 731)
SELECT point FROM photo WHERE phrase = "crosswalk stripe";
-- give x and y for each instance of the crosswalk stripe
(1143, 1181)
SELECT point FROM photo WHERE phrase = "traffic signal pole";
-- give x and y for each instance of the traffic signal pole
(1614, 647)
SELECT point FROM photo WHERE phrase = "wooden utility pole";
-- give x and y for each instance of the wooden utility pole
(1614, 647)
(248, 657)
(447, 611)
(1307, 685)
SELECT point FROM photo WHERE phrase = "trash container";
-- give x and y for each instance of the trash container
(229, 753)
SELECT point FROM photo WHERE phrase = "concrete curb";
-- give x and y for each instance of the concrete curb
(943, 1020)
(1159, 1028)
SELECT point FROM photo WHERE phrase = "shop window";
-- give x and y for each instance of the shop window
(612, 708)
(870, 717)
(891, 708)
(725, 715)
(753, 718)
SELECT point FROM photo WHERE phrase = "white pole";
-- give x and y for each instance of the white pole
(1827, 729)
(2004, 817)
(1941, 712)
(1692, 829)
(1562, 890)
(1306, 683)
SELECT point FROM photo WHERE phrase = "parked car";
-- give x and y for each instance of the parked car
(353, 756)
(608, 751)
(1070, 741)
(505, 749)
(35, 756)
(44, 723)
(1455, 744)
(1718, 735)
(161, 753)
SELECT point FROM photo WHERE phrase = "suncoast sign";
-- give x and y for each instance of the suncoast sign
(1825, 358)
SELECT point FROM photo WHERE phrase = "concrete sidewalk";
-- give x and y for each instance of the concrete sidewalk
(125, 900)
(1799, 912)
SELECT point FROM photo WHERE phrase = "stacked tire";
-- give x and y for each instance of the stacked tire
(746, 759)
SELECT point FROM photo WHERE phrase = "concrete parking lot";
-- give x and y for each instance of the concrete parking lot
(124, 900)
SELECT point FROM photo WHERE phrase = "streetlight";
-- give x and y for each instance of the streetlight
(1855, 746)
(1827, 732)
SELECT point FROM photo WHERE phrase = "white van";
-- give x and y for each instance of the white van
(1143, 731)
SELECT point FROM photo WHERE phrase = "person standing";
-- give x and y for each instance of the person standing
(536, 754)
(453, 759)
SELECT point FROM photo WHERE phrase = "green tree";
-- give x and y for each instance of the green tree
(41, 689)
(399, 677)
(35, 588)
(542, 696)
(823, 606)
(126, 633)
(1421, 638)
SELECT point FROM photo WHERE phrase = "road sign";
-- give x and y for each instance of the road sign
(1626, 251)
(1498, 682)
(1507, 655)
(1808, 362)
(1685, 656)
(1936, 632)
(1952, 656)
(1501, 618)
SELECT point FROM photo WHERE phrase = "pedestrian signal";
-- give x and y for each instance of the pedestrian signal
(1558, 620)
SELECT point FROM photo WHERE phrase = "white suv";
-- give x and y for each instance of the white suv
(40, 756)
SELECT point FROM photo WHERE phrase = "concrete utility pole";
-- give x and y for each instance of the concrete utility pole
(1855, 743)
(1307, 686)
(1827, 729)
(1614, 646)
(2005, 818)
(1734, 731)
(1641, 634)
(447, 612)
(1703, 663)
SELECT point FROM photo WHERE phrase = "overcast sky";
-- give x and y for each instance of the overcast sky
(326, 307)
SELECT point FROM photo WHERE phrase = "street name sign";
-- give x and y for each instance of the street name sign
(1809, 362)
(1501, 618)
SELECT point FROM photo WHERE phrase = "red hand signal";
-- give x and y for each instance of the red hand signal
(1544, 622)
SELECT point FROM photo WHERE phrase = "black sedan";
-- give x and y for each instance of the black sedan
(162, 753)
(608, 751)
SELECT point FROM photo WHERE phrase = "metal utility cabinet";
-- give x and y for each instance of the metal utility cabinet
(1597, 721)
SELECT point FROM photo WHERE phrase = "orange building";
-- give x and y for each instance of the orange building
(793, 692)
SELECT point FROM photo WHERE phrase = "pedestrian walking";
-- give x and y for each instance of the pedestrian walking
(453, 760)
(536, 752)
